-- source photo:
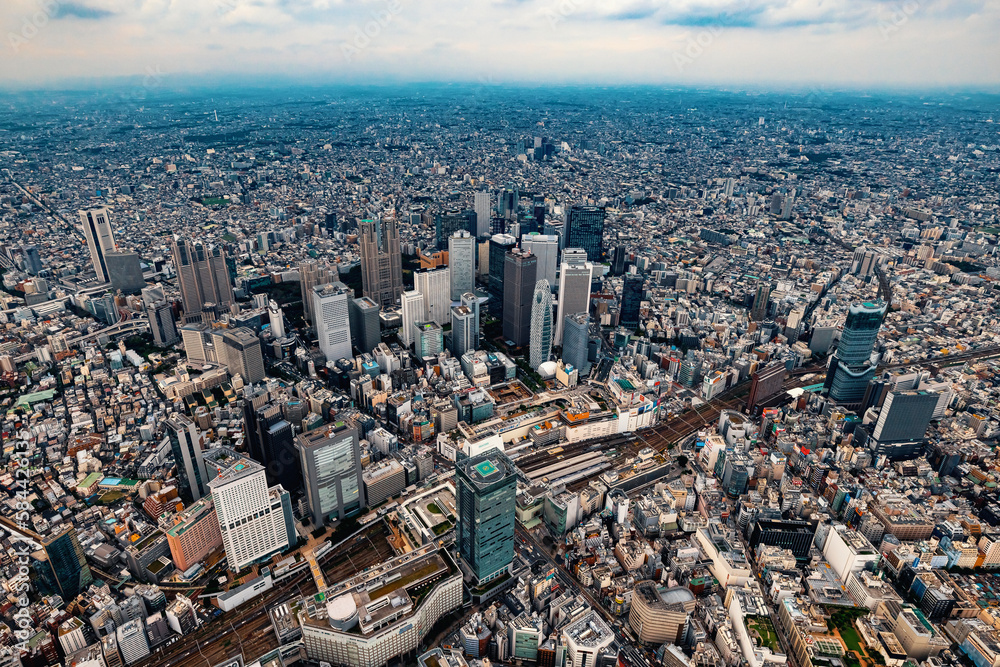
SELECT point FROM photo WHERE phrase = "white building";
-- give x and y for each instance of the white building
(277, 319)
(252, 517)
(541, 324)
(575, 275)
(413, 312)
(435, 285)
(333, 327)
(132, 641)
(848, 551)
(483, 214)
(585, 638)
(546, 249)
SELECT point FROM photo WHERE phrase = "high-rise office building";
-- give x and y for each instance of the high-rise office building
(428, 339)
(32, 260)
(483, 214)
(575, 276)
(271, 442)
(541, 324)
(576, 342)
(100, 237)
(631, 300)
(850, 366)
(331, 468)
(585, 229)
(412, 312)
(520, 276)
(244, 354)
(333, 326)
(464, 333)
(202, 276)
(60, 564)
(618, 256)
(448, 224)
(761, 297)
(902, 424)
(275, 319)
(124, 271)
(365, 328)
(546, 249)
(435, 285)
(132, 641)
(187, 445)
(461, 263)
(766, 383)
(499, 245)
(381, 262)
(161, 322)
(312, 273)
(471, 301)
(255, 521)
(485, 493)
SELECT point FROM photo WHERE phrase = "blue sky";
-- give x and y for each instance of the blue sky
(865, 43)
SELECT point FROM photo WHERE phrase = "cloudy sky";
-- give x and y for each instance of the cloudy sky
(867, 43)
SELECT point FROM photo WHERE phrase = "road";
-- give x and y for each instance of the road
(628, 650)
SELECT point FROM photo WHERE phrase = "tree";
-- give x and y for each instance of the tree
(682, 461)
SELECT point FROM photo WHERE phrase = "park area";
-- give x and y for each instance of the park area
(842, 623)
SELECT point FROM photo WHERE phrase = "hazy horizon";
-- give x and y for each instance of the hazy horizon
(762, 44)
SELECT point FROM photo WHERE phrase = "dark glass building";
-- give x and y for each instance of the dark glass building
(796, 536)
(446, 224)
(271, 440)
(499, 245)
(631, 301)
(520, 276)
(850, 370)
(585, 229)
(485, 493)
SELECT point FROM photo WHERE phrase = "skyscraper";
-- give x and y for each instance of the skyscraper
(381, 262)
(100, 238)
(576, 341)
(124, 271)
(428, 339)
(902, 424)
(585, 229)
(365, 329)
(187, 445)
(631, 300)
(499, 245)
(766, 383)
(60, 563)
(850, 366)
(331, 468)
(520, 276)
(412, 312)
(486, 487)
(575, 276)
(202, 276)
(471, 301)
(447, 224)
(255, 520)
(618, 256)
(758, 311)
(270, 439)
(161, 322)
(333, 327)
(312, 273)
(546, 249)
(32, 260)
(435, 285)
(541, 324)
(244, 354)
(461, 263)
(483, 214)
(464, 334)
